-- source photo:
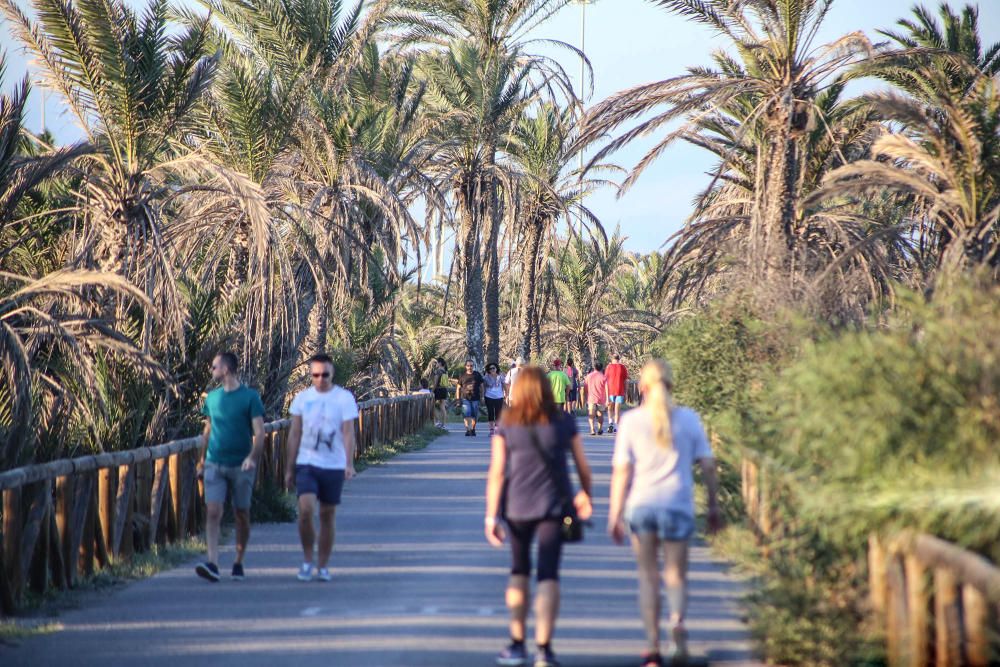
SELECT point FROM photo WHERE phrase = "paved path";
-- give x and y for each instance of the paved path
(416, 585)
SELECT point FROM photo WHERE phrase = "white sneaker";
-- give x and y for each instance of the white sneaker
(305, 572)
(324, 574)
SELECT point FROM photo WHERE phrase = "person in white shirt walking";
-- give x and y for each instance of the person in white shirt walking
(515, 368)
(320, 458)
(652, 494)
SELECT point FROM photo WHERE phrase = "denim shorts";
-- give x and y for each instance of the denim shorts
(666, 524)
(470, 409)
(615, 399)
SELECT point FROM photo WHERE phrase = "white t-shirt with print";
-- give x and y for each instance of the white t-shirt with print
(323, 414)
(662, 477)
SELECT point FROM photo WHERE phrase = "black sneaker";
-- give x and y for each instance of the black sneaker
(473, 433)
(513, 656)
(468, 432)
(237, 573)
(546, 658)
(208, 571)
(611, 428)
(600, 431)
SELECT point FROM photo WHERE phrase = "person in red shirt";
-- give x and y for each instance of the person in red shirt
(617, 376)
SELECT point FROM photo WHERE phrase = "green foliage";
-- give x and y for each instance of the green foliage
(888, 419)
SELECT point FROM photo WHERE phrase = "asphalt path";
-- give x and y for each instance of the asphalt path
(415, 584)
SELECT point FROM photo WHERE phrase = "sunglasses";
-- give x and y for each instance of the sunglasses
(321, 375)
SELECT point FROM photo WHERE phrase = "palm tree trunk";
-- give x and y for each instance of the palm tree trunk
(529, 287)
(471, 267)
(491, 278)
(780, 196)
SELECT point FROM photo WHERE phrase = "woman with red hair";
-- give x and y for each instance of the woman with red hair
(529, 452)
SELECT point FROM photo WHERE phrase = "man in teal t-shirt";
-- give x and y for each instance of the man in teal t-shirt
(234, 419)
(560, 383)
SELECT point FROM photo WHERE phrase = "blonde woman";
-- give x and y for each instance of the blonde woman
(652, 494)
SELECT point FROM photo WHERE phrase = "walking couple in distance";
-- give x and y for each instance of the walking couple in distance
(529, 494)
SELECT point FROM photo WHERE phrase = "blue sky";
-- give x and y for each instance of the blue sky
(629, 42)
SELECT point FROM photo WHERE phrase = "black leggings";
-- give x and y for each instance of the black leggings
(493, 408)
(549, 547)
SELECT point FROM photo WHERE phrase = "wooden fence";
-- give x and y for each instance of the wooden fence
(64, 519)
(939, 604)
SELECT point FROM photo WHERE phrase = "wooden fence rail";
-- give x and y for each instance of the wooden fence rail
(64, 519)
(939, 604)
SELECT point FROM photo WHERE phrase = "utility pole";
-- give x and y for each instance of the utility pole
(583, 72)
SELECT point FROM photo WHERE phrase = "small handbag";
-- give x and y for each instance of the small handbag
(571, 525)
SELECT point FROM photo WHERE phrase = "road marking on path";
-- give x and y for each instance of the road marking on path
(311, 611)
(430, 611)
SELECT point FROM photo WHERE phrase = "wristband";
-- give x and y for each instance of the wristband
(490, 521)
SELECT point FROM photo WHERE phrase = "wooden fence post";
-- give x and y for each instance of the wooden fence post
(34, 536)
(107, 480)
(13, 571)
(896, 611)
(917, 603)
(947, 619)
(977, 636)
(878, 590)
(65, 486)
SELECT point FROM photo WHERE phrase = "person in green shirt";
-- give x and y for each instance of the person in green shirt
(234, 419)
(560, 383)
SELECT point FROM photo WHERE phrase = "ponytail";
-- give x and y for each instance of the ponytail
(656, 382)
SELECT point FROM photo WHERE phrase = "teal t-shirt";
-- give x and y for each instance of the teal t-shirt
(231, 414)
(560, 383)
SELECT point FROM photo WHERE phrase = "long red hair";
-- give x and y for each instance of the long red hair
(531, 399)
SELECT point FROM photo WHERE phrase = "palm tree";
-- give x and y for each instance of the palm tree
(481, 76)
(948, 160)
(549, 189)
(132, 87)
(778, 76)
(927, 41)
(591, 315)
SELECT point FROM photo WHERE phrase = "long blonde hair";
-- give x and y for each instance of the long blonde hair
(656, 382)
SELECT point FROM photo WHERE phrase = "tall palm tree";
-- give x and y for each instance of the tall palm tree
(779, 73)
(132, 86)
(481, 74)
(549, 189)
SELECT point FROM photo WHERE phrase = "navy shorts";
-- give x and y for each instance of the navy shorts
(325, 484)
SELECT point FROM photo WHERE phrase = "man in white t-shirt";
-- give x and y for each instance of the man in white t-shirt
(320, 459)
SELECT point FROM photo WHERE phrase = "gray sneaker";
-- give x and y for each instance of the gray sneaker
(305, 572)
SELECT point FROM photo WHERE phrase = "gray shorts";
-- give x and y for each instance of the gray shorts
(220, 479)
